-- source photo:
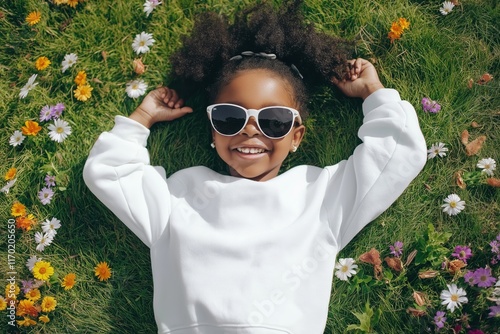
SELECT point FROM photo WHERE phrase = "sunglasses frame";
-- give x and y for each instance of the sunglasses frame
(255, 113)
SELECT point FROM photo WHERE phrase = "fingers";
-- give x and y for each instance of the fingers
(171, 98)
(355, 67)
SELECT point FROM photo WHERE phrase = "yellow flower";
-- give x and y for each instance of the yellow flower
(33, 18)
(396, 28)
(83, 92)
(33, 295)
(49, 304)
(9, 291)
(42, 63)
(25, 223)
(404, 23)
(72, 3)
(31, 128)
(26, 322)
(44, 319)
(18, 210)
(11, 173)
(69, 281)
(81, 78)
(3, 303)
(102, 271)
(42, 270)
(26, 307)
(60, 2)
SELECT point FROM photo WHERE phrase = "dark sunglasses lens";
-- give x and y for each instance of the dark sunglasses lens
(275, 122)
(228, 120)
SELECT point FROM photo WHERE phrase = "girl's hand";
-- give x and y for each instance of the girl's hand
(161, 104)
(361, 79)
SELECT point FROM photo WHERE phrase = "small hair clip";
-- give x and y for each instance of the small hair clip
(270, 56)
(296, 70)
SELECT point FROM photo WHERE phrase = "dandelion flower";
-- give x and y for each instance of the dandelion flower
(462, 253)
(69, 60)
(102, 271)
(81, 78)
(69, 281)
(345, 268)
(437, 149)
(42, 63)
(453, 297)
(30, 264)
(33, 295)
(136, 88)
(5, 189)
(29, 86)
(31, 128)
(43, 240)
(50, 180)
(48, 304)
(142, 42)
(45, 195)
(83, 92)
(447, 7)
(43, 318)
(26, 322)
(18, 209)
(11, 174)
(150, 5)
(59, 130)
(488, 165)
(43, 270)
(51, 226)
(16, 139)
(33, 18)
(453, 205)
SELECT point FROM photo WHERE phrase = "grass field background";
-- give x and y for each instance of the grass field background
(436, 57)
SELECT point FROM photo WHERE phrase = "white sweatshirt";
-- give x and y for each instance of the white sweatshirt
(231, 255)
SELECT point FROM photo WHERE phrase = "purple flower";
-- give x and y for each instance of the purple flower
(27, 285)
(397, 249)
(440, 319)
(45, 195)
(483, 277)
(46, 113)
(462, 253)
(494, 312)
(50, 180)
(470, 277)
(495, 246)
(475, 331)
(430, 105)
(57, 110)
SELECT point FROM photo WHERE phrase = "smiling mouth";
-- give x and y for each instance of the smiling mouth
(250, 150)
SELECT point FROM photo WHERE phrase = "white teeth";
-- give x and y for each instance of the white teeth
(250, 150)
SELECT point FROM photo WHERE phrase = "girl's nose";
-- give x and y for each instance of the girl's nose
(251, 128)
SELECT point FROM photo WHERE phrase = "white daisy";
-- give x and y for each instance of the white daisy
(17, 138)
(150, 5)
(488, 165)
(29, 86)
(453, 205)
(59, 130)
(136, 88)
(5, 189)
(69, 60)
(43, 240)
(453, 297)
(447, 7)
(51, 226)
(142, 42)
(32, 261)
(437, 149)
(345, 268)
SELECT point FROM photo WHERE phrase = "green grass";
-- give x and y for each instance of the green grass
(435, 57)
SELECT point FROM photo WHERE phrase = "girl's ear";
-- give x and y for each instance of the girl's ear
(297, 135)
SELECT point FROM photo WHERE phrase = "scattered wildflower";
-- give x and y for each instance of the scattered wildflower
(57, 110)
(430, 105)
(494, 312)
(3, 303)
(43, 270)
(48, 304)
(30, 264)
(404, 23)
(136, 88)
(42, 63)
(483, 278)
(440, 319)
(462, 253)
(83, 92)
(18, 209)
(26, 307)
(81, 78)
(26, 322)
(43, 318)
(45, 195)
(345, 268)
(33, 295)
(470, 277)
(397, 28)
(46, 113)
(59, 131)
(69, 60)
(397, 249)
(437, 149)
(102, 271)
(31, 128)
(43, 240)
(11, 174)
(50, 180)
(29, 86)
(453, 297)
(447, 7)
(5, 189)
(453, 205)
(16, 139)
(142, 42)
(9, 290)
(69, 281)
(33, 18)
(150, 5)
(51, 226)
(488, 165)
(25, 223)
(72, 3)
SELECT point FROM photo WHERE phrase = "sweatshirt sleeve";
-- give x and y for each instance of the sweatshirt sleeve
(392, 153)
(118, 172)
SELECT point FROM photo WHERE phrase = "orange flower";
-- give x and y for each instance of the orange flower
(18, 210)
(83, 92)
(42, 63)
(102, 271)
(69, 281)
(31, 128)
(404, 23)
(25, 223)
(26, 307)
(26, 322)
(33, 18)
(81, 78)
(396, 28)
(11, 174)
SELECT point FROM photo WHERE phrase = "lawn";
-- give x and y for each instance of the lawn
(451, 59)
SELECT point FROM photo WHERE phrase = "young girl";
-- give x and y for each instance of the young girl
(254, 251)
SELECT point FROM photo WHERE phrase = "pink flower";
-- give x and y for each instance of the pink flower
(462, 253)
(483, 277)
(430, 105)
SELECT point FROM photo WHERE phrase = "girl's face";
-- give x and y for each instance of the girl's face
(255, 89)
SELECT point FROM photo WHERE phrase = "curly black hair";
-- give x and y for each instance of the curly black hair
(204, 58)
